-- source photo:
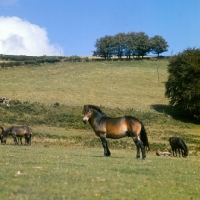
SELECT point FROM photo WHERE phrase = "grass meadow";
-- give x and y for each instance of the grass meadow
(56, 172)
(65, 160)
(111, 84)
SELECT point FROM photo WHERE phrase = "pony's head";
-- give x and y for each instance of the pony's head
(88, 112)
(185, 152)
(2, 138)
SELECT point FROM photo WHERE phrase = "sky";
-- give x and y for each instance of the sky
(71, 27)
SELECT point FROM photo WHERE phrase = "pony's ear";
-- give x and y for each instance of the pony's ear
(85, 107)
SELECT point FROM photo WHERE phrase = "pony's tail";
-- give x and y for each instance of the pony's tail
(144, 138)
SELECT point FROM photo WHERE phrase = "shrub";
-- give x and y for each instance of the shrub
(183, 85)
(74, 59)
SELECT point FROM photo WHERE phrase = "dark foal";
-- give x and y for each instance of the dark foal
(177, 143)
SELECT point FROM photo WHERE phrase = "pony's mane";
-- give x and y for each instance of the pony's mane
(95, 108)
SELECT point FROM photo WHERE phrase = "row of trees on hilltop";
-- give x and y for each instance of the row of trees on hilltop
(130, 44)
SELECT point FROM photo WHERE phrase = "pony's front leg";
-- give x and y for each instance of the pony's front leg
(15, 139)
(179, 152)
(105, 145)
(176, 152)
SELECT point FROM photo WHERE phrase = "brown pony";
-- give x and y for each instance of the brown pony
(115, 128)
(17, 131)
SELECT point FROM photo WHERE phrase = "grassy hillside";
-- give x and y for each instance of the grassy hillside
(111, 84)
(50, 99)
(65, 160)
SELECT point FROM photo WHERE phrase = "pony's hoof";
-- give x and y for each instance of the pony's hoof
(143, 158)
(107, 154)
(137, 157)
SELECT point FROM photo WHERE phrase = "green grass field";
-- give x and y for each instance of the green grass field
(56, 172)
(65, 160)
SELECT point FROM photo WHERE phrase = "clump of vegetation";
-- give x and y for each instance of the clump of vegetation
(11, 60)
(76, 58)
(183, 85)
(36, 113)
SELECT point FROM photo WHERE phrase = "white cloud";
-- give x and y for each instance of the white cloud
(20, 37)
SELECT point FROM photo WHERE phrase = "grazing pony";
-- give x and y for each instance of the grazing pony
(1, 136)
(17, 131)
(177, 143)
(115, 128)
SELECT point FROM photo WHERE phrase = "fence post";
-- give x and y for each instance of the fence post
(158, 74)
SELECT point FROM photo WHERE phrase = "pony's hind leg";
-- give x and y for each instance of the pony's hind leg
(143, 151)
(105, 145)
(138, 152)
(136, 141)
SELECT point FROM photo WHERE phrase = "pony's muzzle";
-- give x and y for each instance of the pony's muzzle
(85, 120)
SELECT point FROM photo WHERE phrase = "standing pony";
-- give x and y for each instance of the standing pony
(178, 143)
(115, 128)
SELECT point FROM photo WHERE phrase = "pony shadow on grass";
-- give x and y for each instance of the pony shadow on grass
(175, 112)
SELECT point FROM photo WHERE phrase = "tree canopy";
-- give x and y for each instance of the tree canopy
(104, 47)
(183, 85)
(158, 45)
(130, 44)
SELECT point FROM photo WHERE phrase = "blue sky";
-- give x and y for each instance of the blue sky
(71, 27)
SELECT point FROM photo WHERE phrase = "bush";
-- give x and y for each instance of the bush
(74, 59)
(11, 64)
(183, 85)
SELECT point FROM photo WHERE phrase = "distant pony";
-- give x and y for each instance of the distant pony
(177, 143)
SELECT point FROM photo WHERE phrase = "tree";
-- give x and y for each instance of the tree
(130, 44)
(119, 44)
(158, 45)
(183, 85)
(142, 44)
(104, 47)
